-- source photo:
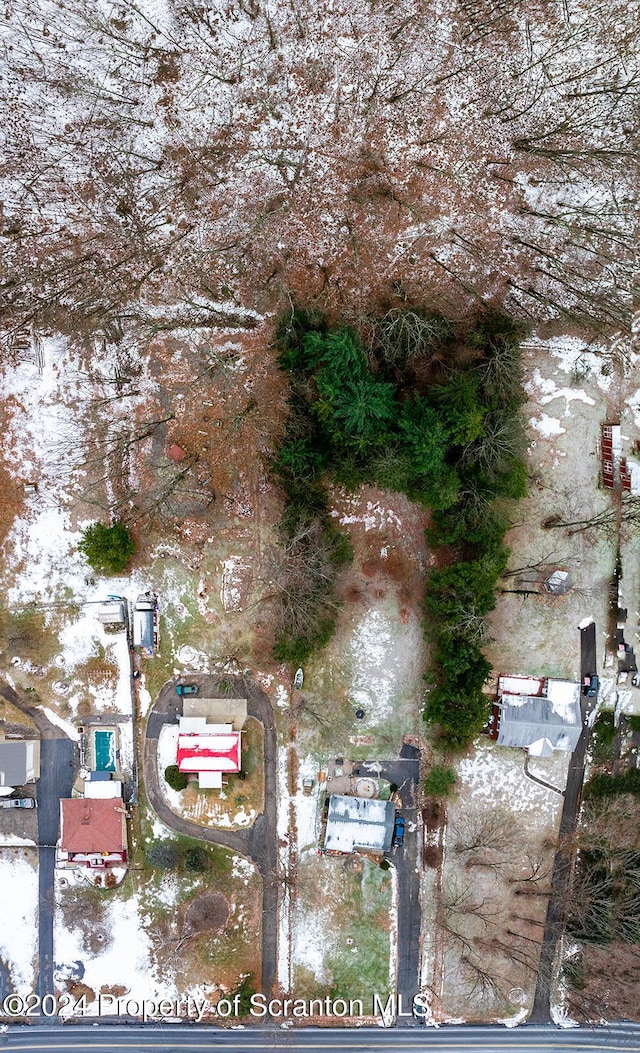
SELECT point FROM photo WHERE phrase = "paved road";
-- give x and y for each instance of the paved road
(404, 773)
(167, 1039)
(259, 843)
(56, 778)
(563, 863)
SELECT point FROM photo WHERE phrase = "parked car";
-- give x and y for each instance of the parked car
(298, 679)
(398, 831)
(591, 685)
(307, 786)
(17, 802)
(187, 689)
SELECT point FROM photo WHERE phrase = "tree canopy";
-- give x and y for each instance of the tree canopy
(107, 549)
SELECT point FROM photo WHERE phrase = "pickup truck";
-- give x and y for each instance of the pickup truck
(17, 802)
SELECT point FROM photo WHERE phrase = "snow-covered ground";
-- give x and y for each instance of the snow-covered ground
(19, 915)
(125, 963)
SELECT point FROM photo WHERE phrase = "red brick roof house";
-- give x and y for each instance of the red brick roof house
(93, 832)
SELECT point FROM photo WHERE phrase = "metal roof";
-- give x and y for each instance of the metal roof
(359, 822)
(543, 723)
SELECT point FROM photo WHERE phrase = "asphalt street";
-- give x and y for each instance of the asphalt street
(171, 1039)
(56, 778)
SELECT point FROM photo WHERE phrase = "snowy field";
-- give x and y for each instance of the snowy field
(19, 917)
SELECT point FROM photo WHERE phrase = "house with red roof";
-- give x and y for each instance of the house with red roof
(209, 750)
(93, 832)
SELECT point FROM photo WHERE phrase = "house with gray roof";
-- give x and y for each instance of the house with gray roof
(358, 823)
(539, 715)
(19, 762)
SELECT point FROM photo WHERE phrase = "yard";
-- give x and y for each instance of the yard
(342, 930)
(190, 929)
(242, 797)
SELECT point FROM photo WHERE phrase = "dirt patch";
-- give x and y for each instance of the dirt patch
(602, 983)
(206, 913)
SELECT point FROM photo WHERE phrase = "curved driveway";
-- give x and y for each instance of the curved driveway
(259, 842)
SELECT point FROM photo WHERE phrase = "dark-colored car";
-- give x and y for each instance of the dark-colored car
(187, 689)
(17, 802)
(591, 685)
(398, 831)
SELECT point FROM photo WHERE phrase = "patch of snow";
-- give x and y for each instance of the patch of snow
(230, 589)
(18, 909)
(144, 697)
(282, 697)
(69, 729)
(196, 660)
(242, 868)
(547, 426)
(569, 394)
(494, 774)
(378, 667)
(126, 960)
(309, 945)
(375, 517)
(12, 840)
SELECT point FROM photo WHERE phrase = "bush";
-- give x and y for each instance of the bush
(440, 781)
(245, 989)
(163, 854)
(633, 723)
(608, 785)
(177, 779)
(107, 549)
(196, 859)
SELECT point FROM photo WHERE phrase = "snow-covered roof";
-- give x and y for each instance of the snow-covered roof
(103, 790)
(111, 613)
(143, 628)
(358, 822)
(210, 780)
(541, 724)
(520, 685)
(207, 753)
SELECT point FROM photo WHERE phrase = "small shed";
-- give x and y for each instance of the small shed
(112, 615)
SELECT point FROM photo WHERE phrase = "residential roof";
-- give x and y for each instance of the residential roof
(201, 751)
(217, 710)
(108, 788)
(19, 762)
(359, 822)
(88, 826)
(541, 724)
(143, 628)
(111, 613)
